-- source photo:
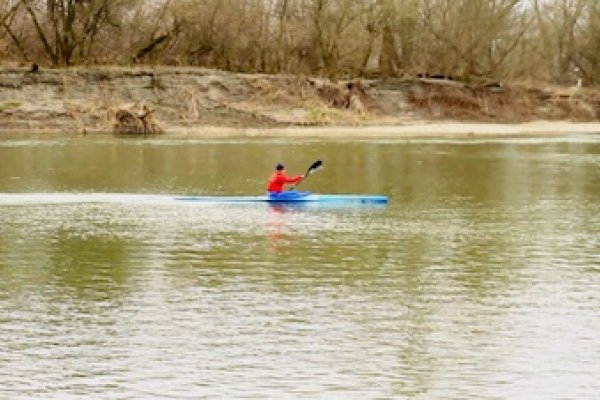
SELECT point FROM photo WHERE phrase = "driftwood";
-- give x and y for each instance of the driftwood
(349, 95)
(131, 122)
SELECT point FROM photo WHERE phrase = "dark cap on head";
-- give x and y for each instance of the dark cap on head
(279, 166)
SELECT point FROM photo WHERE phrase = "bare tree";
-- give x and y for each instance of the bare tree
(558, 21)
(396, 25)
(586, 55)
(6, 19)
(8, 12)
(161, 30)
(474, 37)
(539, 39)
(332, 19)
(64, 27)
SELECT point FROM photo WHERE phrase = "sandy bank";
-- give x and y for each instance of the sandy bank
(406, 130)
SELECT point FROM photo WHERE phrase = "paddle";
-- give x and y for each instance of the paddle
(313, 168)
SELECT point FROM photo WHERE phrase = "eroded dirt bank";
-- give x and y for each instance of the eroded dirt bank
(186, 101)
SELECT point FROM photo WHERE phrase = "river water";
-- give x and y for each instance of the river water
(479, 280)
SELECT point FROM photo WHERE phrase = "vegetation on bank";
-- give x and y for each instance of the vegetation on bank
(550, 41)
(149, 100)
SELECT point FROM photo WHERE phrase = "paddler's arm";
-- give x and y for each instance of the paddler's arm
(293, 179)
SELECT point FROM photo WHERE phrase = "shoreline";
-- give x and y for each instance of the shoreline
(418, 129)
(415, 130)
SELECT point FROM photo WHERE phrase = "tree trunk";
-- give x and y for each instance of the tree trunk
(388, 58)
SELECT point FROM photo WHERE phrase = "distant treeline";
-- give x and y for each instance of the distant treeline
(541, 40)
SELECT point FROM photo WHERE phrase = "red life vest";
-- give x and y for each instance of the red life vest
(278, 178)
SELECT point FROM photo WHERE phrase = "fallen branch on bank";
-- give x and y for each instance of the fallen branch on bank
(129, 121)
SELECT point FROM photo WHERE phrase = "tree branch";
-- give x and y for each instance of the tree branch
(42, 36)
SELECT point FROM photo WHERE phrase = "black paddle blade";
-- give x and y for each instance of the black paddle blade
(313, 167)
(316, 165)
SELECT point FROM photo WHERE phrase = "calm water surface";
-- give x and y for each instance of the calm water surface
(480, 279)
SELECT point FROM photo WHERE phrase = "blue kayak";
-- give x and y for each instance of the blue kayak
(290, 197)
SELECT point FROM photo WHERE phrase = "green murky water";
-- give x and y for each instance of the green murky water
(480, 279)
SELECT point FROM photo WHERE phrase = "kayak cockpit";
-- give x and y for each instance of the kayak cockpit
(290, 195)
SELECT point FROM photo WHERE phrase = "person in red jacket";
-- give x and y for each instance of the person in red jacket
(279, 178)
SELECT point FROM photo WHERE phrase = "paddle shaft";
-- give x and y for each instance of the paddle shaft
(313, 167)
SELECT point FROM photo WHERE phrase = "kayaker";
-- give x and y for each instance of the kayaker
(279, 178)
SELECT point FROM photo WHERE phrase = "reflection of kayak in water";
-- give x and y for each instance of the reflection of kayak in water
(290, 197)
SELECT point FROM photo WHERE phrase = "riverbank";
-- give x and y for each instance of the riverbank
(205, 103)
(408, 130)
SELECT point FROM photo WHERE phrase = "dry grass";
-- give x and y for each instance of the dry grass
(290, 91)
(10, 105)
(501, 104)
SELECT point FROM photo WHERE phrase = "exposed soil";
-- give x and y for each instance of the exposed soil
(200, 101)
